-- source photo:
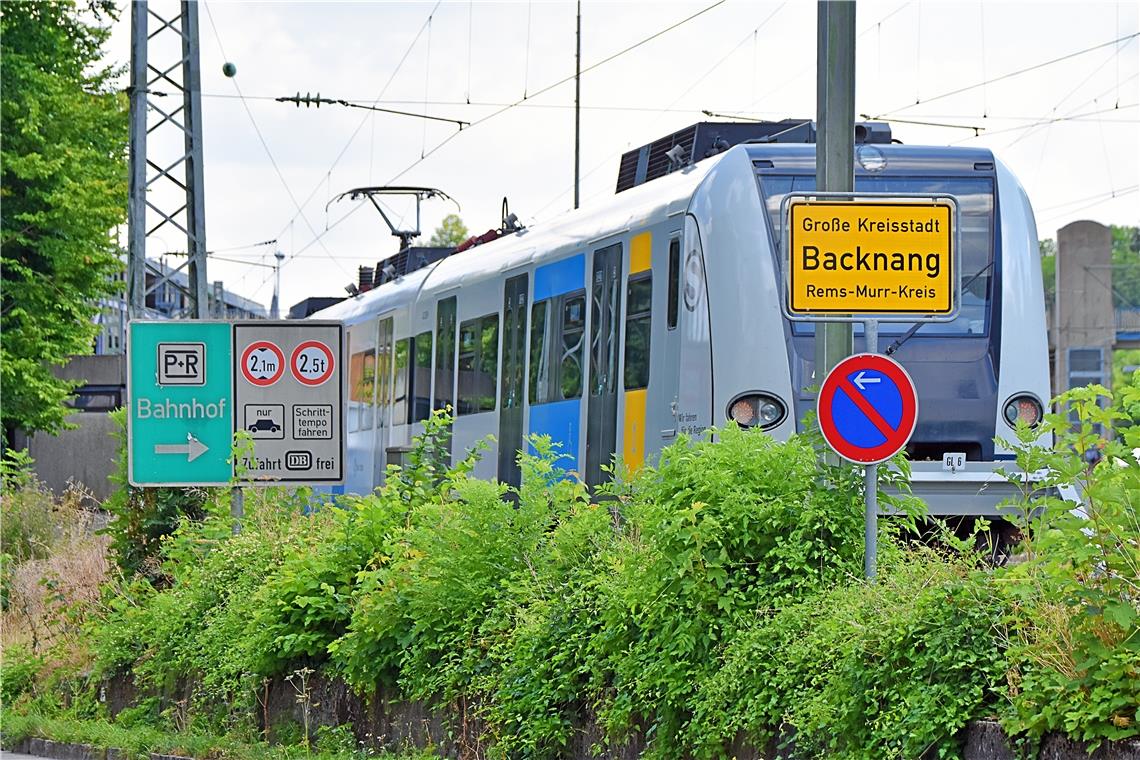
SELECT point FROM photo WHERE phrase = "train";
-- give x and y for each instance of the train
(656, 313)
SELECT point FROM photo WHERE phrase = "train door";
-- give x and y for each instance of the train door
(557, 348)
(385, 364)
(662, 423)
(512, 381)
(361, 407)
(695, 394)
(638, 339)
(444, 386)
(605, 338)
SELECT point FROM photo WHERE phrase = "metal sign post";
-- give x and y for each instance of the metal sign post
(870, 258)
(871, 481)
(868, 409)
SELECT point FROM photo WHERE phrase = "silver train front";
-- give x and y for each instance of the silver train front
(616, 328)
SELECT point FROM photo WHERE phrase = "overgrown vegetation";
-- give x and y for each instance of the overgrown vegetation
(63, 178)
(713, 600)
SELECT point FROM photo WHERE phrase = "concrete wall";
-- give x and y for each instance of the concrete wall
(86, 454)
(1083, 316)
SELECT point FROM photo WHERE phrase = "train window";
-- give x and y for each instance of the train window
(638, 305)
(605, 305)
(445, 353)
(400, 388)
(478, 364)
(421, 378)
(384, 372)
(573, 330)
(539, 353)
(361, 386)
(556, 344)
(674, 282)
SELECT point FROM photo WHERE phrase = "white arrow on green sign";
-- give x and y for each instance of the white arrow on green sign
(193, 448)
(179, 385)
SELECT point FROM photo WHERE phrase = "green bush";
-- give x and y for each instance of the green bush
(890, 669)
(141, 518)
(141, 741)
(196, 630)
(19, 669)
(307, 605)
(1074, 625)
(717, 533)
(715, 596)
(419, 612)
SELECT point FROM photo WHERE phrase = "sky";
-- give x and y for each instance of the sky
(1051, 87)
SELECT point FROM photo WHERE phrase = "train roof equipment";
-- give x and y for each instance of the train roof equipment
(709, 138)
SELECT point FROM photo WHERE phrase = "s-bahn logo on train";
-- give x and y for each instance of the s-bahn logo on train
(880, 257)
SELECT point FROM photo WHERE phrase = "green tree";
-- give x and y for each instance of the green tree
(63, 189)
(1049, 269)
(1126, 266)
(450, 232)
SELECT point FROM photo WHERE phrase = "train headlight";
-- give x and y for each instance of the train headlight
(1025, 408)
(757, 410)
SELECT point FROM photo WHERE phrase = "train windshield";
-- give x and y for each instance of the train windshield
(976, 206)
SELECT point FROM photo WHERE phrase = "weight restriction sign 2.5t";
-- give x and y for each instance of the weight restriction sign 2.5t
(312, 363)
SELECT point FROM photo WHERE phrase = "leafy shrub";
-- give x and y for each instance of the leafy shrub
(544, 632)
(195, 631)
(19, 668)
(460, 548)
(890, 669)
(27, 519)
(1074, 628)
(716, 533)
(142, 517)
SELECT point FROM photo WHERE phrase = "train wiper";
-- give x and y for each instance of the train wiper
(897, 343)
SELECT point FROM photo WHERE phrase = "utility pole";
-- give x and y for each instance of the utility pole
(835, 144)
(177, 186)
(275, 309)
(577, 104)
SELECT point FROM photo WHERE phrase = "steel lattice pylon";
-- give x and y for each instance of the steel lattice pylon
(169, 185)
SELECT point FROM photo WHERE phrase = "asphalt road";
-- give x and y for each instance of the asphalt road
(16, 756)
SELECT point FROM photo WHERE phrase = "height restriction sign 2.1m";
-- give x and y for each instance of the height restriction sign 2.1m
(881, 258)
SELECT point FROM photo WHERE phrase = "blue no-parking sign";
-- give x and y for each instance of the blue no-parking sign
(867, 408)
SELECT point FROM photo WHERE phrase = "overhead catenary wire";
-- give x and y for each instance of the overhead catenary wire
(1058, 119)
(363, 121)
(1107, 195)
(265, 145)
(308, 99)
(1115, 55)
(1110, 196)
(1008, 75)
(687, 90)
(541, 91)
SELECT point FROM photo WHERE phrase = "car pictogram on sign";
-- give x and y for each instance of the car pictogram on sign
(867, 408)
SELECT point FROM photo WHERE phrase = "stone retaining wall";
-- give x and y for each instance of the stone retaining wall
(382, 721)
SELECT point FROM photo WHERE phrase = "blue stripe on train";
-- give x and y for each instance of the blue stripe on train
(561, 421)
(560, 277)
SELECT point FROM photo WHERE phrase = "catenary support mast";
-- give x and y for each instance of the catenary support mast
(166, 172)
(835, 143)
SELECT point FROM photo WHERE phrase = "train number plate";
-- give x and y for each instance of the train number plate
(952, 461)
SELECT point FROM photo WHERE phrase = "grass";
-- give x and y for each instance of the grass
(140, 741)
